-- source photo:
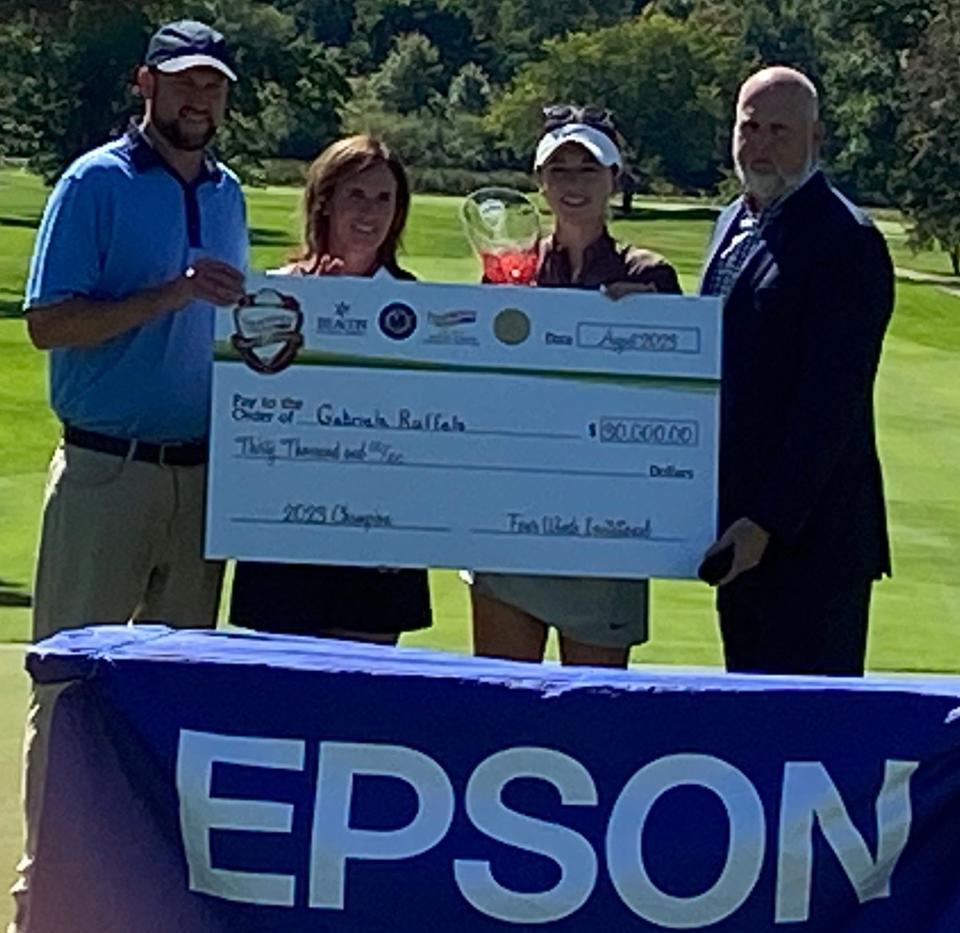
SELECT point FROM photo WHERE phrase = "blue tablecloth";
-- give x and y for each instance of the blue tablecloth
(203, 781)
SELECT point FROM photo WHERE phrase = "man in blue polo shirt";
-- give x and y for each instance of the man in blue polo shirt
(139, 240)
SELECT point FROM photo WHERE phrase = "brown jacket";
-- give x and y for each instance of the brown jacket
(606, 261)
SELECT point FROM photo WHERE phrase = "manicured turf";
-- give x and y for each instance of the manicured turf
(918, 402)
(916, 615)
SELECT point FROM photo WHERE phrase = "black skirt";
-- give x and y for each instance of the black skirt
(310, 599)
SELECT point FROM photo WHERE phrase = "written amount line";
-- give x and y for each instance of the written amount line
(473, 467)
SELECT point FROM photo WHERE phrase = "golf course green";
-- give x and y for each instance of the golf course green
(916, 619)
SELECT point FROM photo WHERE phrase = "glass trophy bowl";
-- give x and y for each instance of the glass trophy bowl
(503, 227)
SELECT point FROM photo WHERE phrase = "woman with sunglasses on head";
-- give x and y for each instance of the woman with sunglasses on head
(577, 163)
(356, 203)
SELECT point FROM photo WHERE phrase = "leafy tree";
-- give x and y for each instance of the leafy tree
(73, 90)
(290, 89)
(443, 23)
(470, 89)
(438, 136)
(21, 93)
(662, 79)
(852, 49)
(929, 136)
(862, 47)
(329, 22)
(411, 76)
(670, 75)
(512, 32)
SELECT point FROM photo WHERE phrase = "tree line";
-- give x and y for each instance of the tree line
(456, 86)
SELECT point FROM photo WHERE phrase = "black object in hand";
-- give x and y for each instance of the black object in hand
(715, 567)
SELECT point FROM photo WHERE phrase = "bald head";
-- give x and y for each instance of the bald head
(777, 133)
(788, 83)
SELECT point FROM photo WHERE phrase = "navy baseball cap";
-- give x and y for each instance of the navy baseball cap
(188, 44)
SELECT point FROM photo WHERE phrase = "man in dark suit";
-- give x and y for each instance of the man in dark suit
(807, 284)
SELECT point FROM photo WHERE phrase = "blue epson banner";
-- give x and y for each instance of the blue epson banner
(212, 782)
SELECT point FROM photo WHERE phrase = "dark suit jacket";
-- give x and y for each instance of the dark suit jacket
(802, 331)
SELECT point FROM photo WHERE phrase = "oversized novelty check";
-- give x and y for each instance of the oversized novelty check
(376, 422)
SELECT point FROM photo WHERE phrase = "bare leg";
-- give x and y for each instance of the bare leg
(578, 653)
(502, 631)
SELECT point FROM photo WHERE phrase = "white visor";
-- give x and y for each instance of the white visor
(595, 141)
(183, 62)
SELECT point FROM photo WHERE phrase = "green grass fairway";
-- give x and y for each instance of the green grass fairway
(916, 617)
(918, 402)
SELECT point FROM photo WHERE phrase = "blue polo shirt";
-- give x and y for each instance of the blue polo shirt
(118, 221)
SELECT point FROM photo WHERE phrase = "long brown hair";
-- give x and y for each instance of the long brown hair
(341, 160)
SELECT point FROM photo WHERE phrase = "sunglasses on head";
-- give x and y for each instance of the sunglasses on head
(557, 115)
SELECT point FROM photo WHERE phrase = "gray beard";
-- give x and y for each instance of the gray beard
(769, 187)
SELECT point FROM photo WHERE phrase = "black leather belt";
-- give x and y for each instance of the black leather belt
(189, 454)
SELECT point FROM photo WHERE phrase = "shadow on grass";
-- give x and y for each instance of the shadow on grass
(264, 236)
(11, 307)
(12, 595)
(30, 223)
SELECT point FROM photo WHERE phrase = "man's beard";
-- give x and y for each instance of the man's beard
(768, 186)
(171, 132)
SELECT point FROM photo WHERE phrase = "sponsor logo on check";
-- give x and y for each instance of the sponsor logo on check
(268, 330)
(452, 318)
(397, 321)
(341, 324)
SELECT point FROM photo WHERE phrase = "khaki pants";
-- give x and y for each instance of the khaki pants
(120, 541)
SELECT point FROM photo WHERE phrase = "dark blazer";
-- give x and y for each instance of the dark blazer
(802, 332)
